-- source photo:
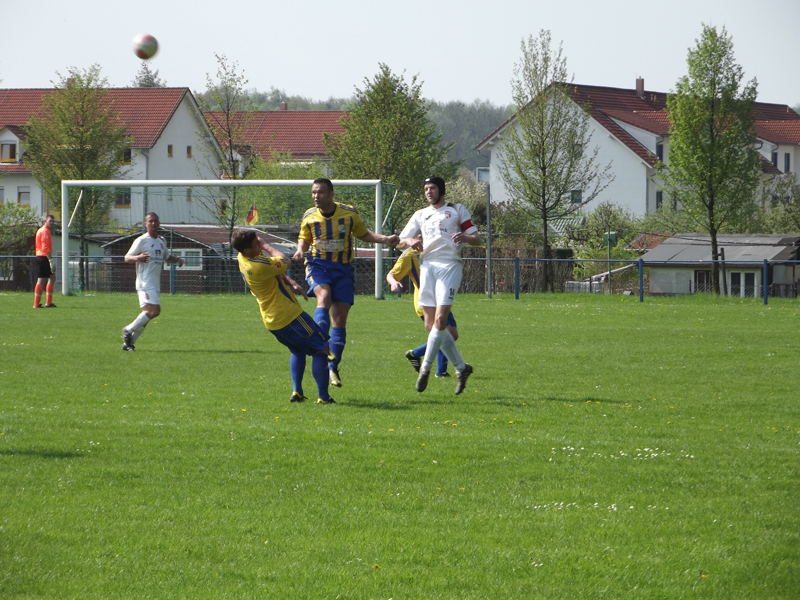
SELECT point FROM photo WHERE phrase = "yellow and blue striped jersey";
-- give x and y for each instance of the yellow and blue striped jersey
(332, 238)
(264, 277)
(408, 264)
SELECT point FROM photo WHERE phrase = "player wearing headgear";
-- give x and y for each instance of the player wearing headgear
(328, 230)
(281, 312)
(408, 264)
(445, 228)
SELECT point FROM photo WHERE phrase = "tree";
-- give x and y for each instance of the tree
(546, 164)
(229, 123)
(713, 166)
(780, 203)
(285, 204)
(146, 78)
(388, 137)
(77, 134)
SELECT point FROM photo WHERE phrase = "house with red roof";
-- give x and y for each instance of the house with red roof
(630, 128)
(167, 132)
(267, 133)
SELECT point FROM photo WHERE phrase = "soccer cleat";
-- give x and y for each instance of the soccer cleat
(127, 348)
(127, 340)
(297, 397)
(422, 381)
(333, 375)
(38, 306)
(445, 374)
(461, 377)
(51, 305)
(328, 401)
(415, 362)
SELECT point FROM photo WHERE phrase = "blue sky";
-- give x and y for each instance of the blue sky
(461, 50)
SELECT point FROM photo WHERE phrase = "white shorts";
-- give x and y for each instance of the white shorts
(438, 283)
(148, 296)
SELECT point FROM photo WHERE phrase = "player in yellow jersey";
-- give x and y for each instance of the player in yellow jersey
(266, 277)
(408, 264)
(328, 230)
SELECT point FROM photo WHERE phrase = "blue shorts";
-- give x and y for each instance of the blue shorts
(340, 278)
(451, 320)
(302, 336)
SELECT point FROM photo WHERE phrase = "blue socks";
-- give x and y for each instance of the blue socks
(319, 368)
(297, 367)
(337, 342)
(419, 352)
(323, 318)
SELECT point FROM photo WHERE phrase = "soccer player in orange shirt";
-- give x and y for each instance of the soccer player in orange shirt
(44, 256)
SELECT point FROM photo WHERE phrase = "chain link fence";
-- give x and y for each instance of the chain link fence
(208, 273)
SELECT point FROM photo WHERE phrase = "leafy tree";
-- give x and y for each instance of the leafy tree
(464, 125)
(780, 202)
(146, 78)
(229, 123)
(546, 166)
(713, 166)
(280, 205)
(18, 224)
(77, 134)
(388, 137)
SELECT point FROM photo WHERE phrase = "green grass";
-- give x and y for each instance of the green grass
(604, 449)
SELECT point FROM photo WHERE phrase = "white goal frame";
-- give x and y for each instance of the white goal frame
(216, 183)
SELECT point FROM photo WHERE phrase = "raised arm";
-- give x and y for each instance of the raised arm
(376, 238)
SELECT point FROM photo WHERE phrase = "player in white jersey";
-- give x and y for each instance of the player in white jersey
(149, 252)
(445, 228)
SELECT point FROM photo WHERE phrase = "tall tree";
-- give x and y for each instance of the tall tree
(229, 123)
(77, 134)
(714, 166)
(388, 137)
(146, 78)
(546, 165)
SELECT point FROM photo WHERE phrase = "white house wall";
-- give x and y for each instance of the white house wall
(630, 189)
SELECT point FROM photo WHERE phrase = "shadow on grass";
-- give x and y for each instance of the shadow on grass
(42, 453)
(518, 400)
(372, 404)
(209, 351)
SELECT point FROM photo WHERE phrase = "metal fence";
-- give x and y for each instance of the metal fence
(214, 274)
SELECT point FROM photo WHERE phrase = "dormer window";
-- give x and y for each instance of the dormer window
(124, 156)
(8, 152)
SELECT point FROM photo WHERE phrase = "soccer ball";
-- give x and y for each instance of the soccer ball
(145, 46)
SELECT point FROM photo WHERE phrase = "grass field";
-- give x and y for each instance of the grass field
(604, 449)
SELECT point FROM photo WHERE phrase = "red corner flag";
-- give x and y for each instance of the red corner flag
(252, 216)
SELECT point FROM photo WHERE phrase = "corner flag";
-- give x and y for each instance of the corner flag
(252, 216)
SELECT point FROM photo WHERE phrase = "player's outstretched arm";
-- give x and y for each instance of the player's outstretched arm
(394, 285)
(410, 243)
(376, 238)
(295, 287)
(473, 239)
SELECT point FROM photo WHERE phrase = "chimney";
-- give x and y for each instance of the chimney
(640, 87)
(283, 106)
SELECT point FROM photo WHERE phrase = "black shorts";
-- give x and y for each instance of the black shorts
(44, 267)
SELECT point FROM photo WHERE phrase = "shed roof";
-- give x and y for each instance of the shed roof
(683, 249)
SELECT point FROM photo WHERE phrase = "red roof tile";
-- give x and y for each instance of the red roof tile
(779, 132)
(146, 111)
(296, 132)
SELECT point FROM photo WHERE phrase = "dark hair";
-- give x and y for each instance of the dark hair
(326, 181)
(242, 239)
(153, 214)
(438, 182)
(49, 216)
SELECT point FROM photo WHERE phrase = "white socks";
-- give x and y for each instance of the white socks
(137, 327)
(441, 339)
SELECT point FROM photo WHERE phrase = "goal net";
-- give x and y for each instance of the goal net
(205, 212)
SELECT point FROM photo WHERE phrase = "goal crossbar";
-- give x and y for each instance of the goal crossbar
(130, 183)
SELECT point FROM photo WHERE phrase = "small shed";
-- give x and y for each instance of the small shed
(681, 264)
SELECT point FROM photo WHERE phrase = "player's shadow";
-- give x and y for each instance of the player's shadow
(516, 402)
(42, 453)
(374, 405)
(207, 351)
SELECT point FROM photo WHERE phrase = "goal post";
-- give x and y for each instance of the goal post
(194, 201)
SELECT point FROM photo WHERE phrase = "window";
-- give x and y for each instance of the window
(575, 196)
(736, 284)
(787, 162)
(702, 281)
(2, 195)
(8, 152)
(125, 156)
(775, 158)
(192, 259)
(188, 194)
(659, 199)
(482, 174)
(169, 150)
(660, 151)
(24, 195)
(122, 198)
(188, 152)
(169, 194)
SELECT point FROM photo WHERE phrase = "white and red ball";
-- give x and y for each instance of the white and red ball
(145, 46)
